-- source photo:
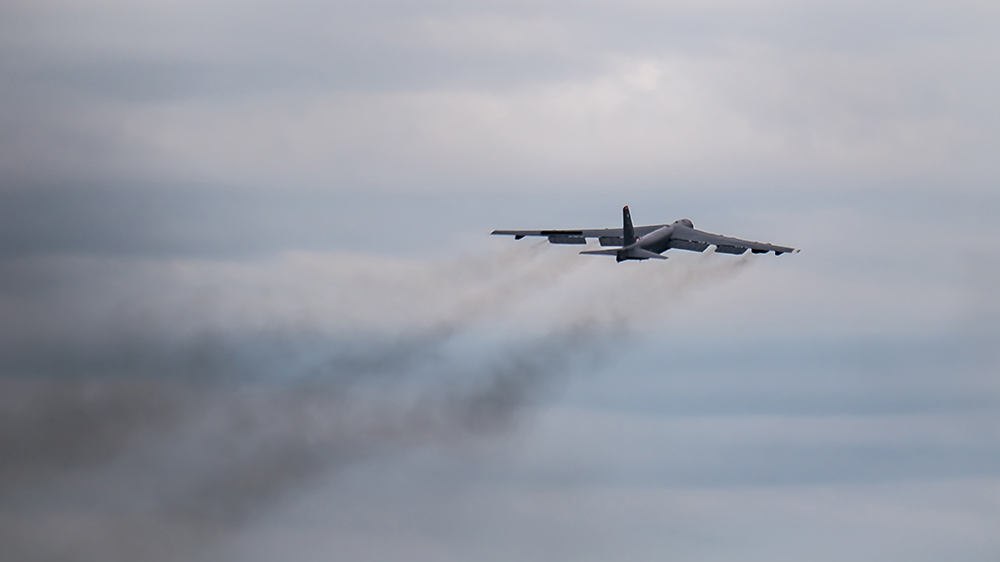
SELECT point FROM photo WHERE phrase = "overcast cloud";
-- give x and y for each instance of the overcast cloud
(403, 97)
(249, 310)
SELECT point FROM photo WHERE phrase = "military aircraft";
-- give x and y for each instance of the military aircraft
(648, 242)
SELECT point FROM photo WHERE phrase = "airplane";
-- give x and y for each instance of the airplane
(648, 242)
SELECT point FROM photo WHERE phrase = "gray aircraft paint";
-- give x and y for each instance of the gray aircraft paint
(648, 242)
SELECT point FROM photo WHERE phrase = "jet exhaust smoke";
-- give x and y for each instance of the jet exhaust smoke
(156, 433)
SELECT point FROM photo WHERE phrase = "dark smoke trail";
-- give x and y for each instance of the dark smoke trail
(147, 445)
(208, 456)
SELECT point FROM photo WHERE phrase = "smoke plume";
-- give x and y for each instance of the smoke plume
(153, 408)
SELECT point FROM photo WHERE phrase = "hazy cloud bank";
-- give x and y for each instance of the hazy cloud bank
(482, 96)
(206, 308)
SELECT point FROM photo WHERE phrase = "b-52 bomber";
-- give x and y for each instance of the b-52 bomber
(648, 242)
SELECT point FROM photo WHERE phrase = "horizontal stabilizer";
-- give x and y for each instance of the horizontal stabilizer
(645, 254)
(627, 253)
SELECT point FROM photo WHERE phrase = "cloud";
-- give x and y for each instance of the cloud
(401, 99)
(227, 240)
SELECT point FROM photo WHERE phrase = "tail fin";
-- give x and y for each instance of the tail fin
(628, 232)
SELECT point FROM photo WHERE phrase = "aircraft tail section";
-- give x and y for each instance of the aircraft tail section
(630, 250)
(628, 231)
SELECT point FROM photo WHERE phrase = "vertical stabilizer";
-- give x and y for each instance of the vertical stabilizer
(628, 232)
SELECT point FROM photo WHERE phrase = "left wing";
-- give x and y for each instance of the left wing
(723, 244)
(606, 236)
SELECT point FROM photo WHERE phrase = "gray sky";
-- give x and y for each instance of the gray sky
(249, 310)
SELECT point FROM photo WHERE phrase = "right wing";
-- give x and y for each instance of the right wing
(606, 236)
(700, 239)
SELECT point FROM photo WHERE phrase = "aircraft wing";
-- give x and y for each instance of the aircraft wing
(724, 244)
(606, 236)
